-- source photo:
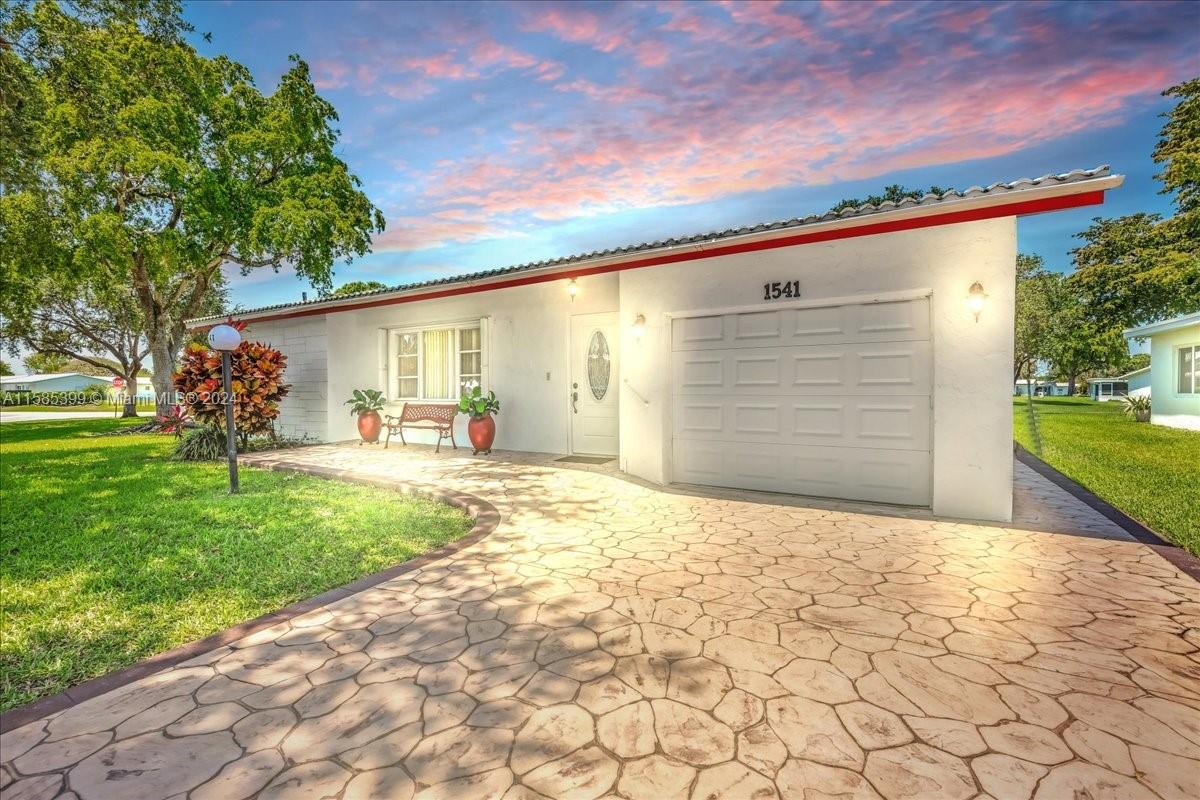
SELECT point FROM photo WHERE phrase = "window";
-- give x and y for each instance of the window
(435, 363)
(1188, 382)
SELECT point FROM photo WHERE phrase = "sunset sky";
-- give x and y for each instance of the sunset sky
(499, 134)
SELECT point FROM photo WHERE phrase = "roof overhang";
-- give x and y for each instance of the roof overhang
(1187, 320)
(1036, 200)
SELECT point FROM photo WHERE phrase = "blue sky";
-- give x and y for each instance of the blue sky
(504, 133)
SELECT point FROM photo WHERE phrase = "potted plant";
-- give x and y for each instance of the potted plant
(1137, 407)
(366, 404)
(482, 428)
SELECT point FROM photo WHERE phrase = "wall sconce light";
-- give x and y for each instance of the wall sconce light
(975, 299)
(639, 327)
(572, 289)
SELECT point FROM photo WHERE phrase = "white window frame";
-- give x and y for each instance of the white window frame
(390, 352)
(1175, 371)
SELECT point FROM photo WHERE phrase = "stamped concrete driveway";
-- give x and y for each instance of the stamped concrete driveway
(612, 639)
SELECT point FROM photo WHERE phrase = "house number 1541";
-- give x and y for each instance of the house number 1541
(777, 290)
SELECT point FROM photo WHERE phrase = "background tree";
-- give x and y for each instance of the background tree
(1178, 150)
(44, 363)
(5, 369)
(894, 193)
(157, 166)
(1037, 291)
(354, 287)
(97, 327)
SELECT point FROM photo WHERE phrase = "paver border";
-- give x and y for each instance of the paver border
(487, 518)
(1179, 558)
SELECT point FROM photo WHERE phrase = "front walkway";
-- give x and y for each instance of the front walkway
(616, 639)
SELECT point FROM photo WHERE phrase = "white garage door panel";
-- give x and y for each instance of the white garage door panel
(906, 320)
(892, 423)
(883, 476)
(830, 401)
(892, 368)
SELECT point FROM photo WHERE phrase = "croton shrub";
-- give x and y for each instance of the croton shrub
(257, 386)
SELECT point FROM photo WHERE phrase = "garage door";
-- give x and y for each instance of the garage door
(833, 401)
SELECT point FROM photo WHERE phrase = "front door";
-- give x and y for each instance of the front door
(595, 346)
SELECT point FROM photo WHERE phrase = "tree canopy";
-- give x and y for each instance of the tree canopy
(354, 287)
(894, 194)
(145, 165)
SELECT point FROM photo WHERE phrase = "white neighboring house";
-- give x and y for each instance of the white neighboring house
(842, 355)
(1135, 384)
(1174, 370)
(52, 382)
(1041, 387)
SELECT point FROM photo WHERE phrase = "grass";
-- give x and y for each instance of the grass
(111, 552)
(1147, 471)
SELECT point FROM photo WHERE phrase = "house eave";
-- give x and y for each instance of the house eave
(1023, 202)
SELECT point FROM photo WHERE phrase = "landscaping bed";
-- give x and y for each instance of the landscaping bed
(1147, 471)
(113, 552)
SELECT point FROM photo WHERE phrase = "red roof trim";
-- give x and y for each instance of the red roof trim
(888, 226)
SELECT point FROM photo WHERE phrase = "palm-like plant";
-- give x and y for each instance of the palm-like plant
(1137, 407)
(363, 400)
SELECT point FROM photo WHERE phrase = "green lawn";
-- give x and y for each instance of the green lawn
(112, 552)
(1147, 471)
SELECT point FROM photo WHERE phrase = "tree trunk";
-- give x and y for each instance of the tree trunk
(164, 368)
(130, 395)
(1071, 386)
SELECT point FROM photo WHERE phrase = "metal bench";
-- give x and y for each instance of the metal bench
(423, 416)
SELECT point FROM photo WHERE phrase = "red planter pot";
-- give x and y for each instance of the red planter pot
(369, 426)
(482, 432)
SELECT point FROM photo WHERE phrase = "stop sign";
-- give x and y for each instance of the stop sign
(118, 383)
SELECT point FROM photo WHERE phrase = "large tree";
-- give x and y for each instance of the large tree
(155, 167)
(1037, 294)
(1141, 268)
(95, 328)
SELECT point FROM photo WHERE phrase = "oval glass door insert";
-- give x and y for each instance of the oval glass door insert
(599, 365)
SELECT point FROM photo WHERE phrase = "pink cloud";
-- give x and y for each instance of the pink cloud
(575, 24)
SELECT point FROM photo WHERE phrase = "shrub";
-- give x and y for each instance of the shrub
(257, 386)
(202, 443)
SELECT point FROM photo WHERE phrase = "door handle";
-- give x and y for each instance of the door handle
(575, 402)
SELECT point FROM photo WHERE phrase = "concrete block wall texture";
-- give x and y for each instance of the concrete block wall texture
(304, 412)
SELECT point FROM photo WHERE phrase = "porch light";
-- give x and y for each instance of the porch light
(572, 289)
(639, 327)
(226, 338)
(975, 299)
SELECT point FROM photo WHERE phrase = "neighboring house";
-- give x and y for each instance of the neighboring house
(1174, 370)
(145, 390)
(1136, 383)
(843, 355)
(52, 382)
(1041, 387)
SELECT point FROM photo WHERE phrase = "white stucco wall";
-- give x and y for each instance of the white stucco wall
(972, 413)
(526, 351)
(528, 332)
(303, 340)
(1168, 406)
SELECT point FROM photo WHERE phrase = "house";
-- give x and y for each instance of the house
(859, 355)
(53, 382)
(1135, 383)
(1174, 364)
(1041, 387)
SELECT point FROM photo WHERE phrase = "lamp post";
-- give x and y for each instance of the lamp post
(226, 338)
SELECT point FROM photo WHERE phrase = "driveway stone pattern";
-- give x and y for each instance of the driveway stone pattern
(614, 640)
